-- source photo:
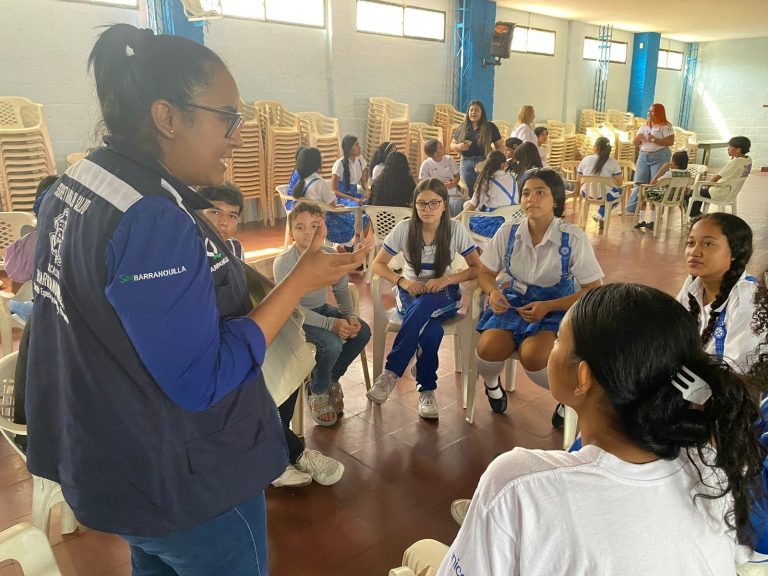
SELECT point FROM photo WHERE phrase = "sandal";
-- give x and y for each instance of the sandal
(320, 409)
(498, 405)
(336, 395)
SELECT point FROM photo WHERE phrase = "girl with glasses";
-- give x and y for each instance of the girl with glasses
(544, 257)
(426, 292)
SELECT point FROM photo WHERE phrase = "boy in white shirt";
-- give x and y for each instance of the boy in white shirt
(738, 166)
(443, 167)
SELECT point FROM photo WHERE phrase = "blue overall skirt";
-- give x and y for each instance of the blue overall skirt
(518, 295)
(487, 227)
(341, 227)
(421, 332)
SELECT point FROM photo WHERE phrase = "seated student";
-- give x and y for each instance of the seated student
(676, 167)
(545, 257)
(295, 173)
(542, 135)
(349, 175)
(227, 201)
(338, 334)
(670, 467)
(719, 294)
(600, 163)
(379, 157)
(510, 145)
(426, 292)
(494, 188)
(394, 186)
(739, 166)
(528, 157)
(442, 166)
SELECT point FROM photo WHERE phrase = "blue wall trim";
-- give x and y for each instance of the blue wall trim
(477, 82)
(167, 17)
(645, 61)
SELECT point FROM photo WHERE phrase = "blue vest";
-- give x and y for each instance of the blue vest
(130, 460)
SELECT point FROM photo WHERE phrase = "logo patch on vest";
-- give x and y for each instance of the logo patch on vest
(125, 278)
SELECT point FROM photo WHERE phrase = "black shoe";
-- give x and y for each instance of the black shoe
(558, 417)
(640, 225)
(649, 226)
(499, 406)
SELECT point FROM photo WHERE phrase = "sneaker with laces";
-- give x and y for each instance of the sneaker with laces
(292, 478)
(323, 469)
(596, 217)
(428, 404)
(459, 510)
(382, 387)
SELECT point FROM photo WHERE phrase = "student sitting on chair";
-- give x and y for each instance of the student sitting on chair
(675, 168)
(494, 188)
(442, 166)
(739, 166)
(600, 163)
(545, 257)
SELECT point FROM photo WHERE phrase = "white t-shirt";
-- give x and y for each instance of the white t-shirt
(736, 168)
(543, 155)
(374, 173)
(525, 133)
(588, 163)
(397, 241)
(740, 343)
(541, 265)
(502, 191)
(658, 131)
(319, 191)
(444, 170)
(356, 168)
(546, 512)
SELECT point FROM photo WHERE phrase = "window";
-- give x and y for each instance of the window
(396, 20)
(533, 41)
(670, 60)
(120, 3)
(618, 50)
(306, 12)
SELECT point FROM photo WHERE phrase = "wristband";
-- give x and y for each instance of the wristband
(397, 280)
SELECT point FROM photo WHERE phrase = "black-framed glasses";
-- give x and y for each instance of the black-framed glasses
(431, 205)
(234, 119)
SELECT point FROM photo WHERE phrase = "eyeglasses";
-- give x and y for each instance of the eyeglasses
(234, 122)
(431, 205)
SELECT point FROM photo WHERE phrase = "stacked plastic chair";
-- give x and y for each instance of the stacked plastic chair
(247, 168)
(505, 128)
(322, 133)
(624, 148)
(281, 137)
(419, 134)
(685, 140)
(448, 118)
(26, 154)
(621, 120)
(556, 129)
(556, 155)
(387, 122)
(589, 118)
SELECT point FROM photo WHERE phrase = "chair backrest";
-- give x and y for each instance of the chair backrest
(265, 267)
(29, 547)
(596, 188)
(384, 219)
(675, 189)
(568, 169)
(13, 225)
(725, 191)
(697, 171)
(513, 213)
(627, 170)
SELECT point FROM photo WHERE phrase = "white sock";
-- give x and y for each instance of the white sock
(539, 378)
(651, 213)
(490, 372)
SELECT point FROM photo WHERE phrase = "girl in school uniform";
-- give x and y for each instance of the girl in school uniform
(719, 294)
(379, 157)
(349, 176)
(426, 291)
(440, 165)
(600, 163)
(495, 187)
(545, 257)
(524, 127)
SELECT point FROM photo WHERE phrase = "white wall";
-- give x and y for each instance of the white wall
(45, 48)
(731, 89)
(669, 83)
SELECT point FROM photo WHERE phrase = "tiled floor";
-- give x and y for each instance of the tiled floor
(401, 472)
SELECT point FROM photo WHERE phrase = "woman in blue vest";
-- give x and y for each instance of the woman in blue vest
(145, 398)
(718, 292)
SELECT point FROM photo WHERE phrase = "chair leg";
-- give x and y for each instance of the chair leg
(297, 422)
(510, 373)
(379, 338)
(569, 430)
(458, 362)
(661, 214)
(287, 233)
(45, 495)
(366, 373)
(68, 520)
(607, 217)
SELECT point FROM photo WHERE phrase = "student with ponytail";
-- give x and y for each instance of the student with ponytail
(601, 164)
(495, 187)
(310, 184)
(670, 466)
(719, 294)
(145, 394)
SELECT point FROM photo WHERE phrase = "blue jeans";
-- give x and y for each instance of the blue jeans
(467, 170)
(333, 355)
(648, 164)
(233, 543)
(455, 205)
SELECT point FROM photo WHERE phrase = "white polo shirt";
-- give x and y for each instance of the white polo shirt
(444, 170)
(658, 131)
(356, 168)
(493, 196)
(319, 191)
(541, 265)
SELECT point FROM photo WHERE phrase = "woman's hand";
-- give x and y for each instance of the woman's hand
(437, 284)
(498, 302)
(535, 311)
(413, 287)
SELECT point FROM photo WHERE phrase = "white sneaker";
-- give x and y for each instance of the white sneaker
(596, 217)
(292, 477)
(382, 387)
(459, 510)
(428, 404)
(323, 469)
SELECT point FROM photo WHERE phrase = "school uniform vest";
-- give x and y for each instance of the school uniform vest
(129, 460)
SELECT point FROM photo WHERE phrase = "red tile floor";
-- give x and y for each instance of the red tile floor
(401, 472)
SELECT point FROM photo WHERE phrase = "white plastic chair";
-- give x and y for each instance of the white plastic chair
(752, 570)
(282, 192)
(14, 225)
(697, 171)
(383, 220)
(46, 493)
(29, 547)
(509, 213)
(674, 195)
(596, 194)
(10, 321)
(723, 193)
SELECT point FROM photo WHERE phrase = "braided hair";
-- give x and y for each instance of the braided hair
(739, 236)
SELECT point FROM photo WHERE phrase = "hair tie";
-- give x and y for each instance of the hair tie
(693, 388)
